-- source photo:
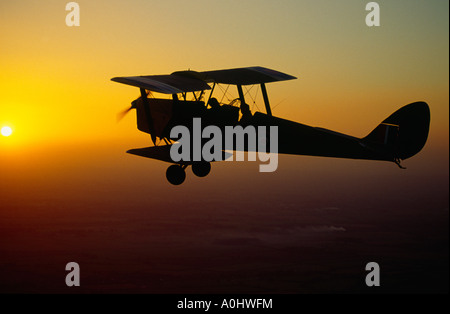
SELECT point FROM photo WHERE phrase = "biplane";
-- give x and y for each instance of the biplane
(190, 94)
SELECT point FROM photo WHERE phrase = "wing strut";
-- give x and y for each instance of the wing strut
(148, 115)
(266, 99)
(241, 94)
(210, 94)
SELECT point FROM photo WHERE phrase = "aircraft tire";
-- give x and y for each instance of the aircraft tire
(201, 169)
(175, 174)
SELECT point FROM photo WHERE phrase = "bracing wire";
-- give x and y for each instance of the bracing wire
(253, 97)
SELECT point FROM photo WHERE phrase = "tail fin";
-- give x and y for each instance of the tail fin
(404, 133)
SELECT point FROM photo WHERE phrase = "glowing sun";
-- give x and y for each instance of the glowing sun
(6, 131)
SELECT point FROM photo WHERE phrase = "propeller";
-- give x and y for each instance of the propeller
(124, 112)
(146, 106)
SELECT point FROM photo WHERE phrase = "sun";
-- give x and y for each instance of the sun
(6, 131)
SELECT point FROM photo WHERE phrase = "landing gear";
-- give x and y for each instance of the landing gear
(201, 169)
(175, 174)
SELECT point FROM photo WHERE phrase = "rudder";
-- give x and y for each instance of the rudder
(405, 132)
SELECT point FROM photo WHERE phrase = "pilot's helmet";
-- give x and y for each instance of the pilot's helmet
(213, 103)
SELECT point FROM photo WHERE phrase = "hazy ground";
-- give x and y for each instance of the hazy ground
(308, 228)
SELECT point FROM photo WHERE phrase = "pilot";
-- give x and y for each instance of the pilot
(246, 113)
(214, 112)
(213, 103)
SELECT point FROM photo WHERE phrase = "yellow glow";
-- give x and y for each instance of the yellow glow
(6, 131)
(56, 87)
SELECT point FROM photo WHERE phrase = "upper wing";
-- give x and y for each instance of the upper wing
(191, 81)
(245, 76)
(166, 84)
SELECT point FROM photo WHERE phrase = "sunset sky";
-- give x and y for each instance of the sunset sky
(67, 153)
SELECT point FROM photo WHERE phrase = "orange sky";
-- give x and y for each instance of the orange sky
(55, 88)
(69, 191)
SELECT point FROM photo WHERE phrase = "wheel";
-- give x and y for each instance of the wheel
(175, 174)
(201, 169)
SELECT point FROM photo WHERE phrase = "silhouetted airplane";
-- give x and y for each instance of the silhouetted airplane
(402, 135)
